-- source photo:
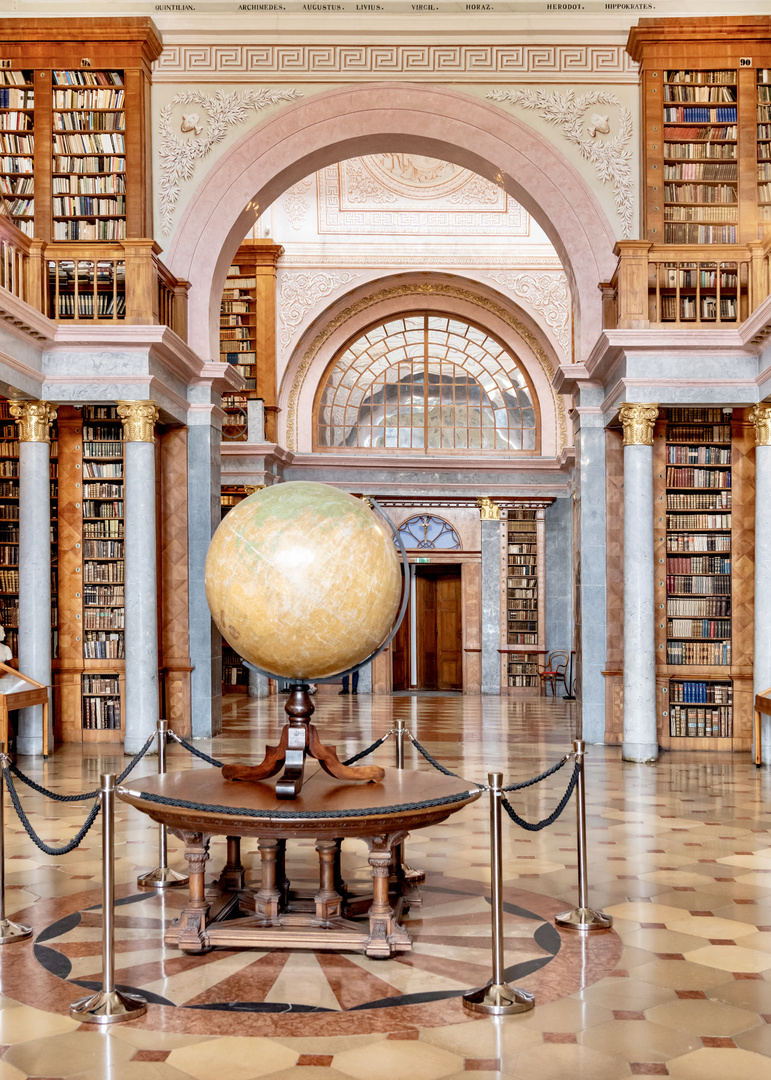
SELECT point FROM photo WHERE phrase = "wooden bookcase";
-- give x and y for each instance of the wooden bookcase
(764, 144)
(17, 147)
(700, 292)
(238, 338)
(700, 115)
(9, 529)
(524, 539)
(89, 110)
(704, 549)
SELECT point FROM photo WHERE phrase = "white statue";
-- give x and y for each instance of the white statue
(5, 652)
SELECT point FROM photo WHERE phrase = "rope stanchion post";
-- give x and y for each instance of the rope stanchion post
(409, 874)
(9, 931)
(497, 998)
(162, 877)
(108, 1005)
(582, 917)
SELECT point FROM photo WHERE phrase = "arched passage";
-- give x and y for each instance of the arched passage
(351, 122)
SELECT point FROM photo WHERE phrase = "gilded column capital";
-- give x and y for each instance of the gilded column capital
(638, 421)
(760, 418)
(139, 418)
(251, 488)
(488, 510)
(33, 419)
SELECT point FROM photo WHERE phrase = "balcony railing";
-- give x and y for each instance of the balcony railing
(122, 282)
(686, 286)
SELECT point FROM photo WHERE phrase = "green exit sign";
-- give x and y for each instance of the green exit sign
(423, 558)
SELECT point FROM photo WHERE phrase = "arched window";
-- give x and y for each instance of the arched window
(429, 531)
(426, 383)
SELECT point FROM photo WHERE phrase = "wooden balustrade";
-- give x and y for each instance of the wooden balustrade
(685, 285)
(121, 282)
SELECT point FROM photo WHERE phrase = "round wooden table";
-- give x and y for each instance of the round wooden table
(382, 814)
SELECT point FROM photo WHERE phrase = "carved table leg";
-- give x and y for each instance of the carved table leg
(268, 900)
(386, 936)
(282, 881)
(340, 886)
(328, 900)
(190, 927)
(232, 877)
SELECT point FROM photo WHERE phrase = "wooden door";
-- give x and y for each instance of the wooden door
(401, 653)
(426, 597)
(449, 656)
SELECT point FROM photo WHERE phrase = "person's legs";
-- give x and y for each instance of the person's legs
(354, 682)
(345, 684)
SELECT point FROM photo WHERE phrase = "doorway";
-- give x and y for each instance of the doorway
(432, 630)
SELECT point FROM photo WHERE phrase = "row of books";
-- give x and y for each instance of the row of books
(701, 723)
(514, 525)
(234, 675)
(694, 415)
(100, 163)
(102, 549)
(764, 192)
(234, 305)
(102, 491)
(699, 115)
(529, 604)
(699, 93)
(698, 478)
(103, 619)
(699, 628)
(698, 564)
(88, 205)
(708, 133)
(93, 509)
(16, 121)
(104, 594)
(87, 77)
(97, 469)
(698, 455)
(704, 78)
(19, 207)
(527, 570)
(101, 229)
(16, 164)
(10, 143)
(99, 645)
(701, 170)
(521, 639)
(9, 513)
(9, 535)
(726, 151)
(709, 500)
(107, 303)
(89, 121)
(522, 560)
(716, 654)
(701, 693)
(91, 143)
(102, 449)
(675, 233)
(16, 98)
(101, 713)
(9, 554)
(89, 98)
(685, 584)
(101, 684)
(700, 193)
(103, 572)
(97, 530)
(9, 468)
(88, 185)
(707, 307)
(700, 213)
(9, 580)
(709, 607)
(522, 549)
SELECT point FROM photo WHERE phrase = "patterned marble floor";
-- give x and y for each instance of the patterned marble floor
(679, 854)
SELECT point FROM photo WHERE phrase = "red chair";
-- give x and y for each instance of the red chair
(554, 671)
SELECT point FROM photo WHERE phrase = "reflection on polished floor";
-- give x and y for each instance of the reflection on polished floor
(679, 854)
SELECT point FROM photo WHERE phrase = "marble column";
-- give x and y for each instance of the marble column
(33, 419)
(761, 418)
(640, 740)
(491, 596)
(259, 685)
(141, 621)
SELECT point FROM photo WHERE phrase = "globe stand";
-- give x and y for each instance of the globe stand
(299, 740)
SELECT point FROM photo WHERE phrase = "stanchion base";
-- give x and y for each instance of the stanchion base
(498, 999)
(584, 918)
(108, 1007)
(13, 931)
(162, 877)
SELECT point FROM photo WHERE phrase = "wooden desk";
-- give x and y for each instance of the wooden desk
(27, 692)
(273, 916)
(762, 705)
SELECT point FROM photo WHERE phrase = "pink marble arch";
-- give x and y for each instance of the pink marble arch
(394, 295)
(354, 121)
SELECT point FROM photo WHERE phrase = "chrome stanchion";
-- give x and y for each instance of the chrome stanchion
(410, 875)
(582, 917)
(108, 1005)
(9, 931)
(162, 877)
(497, 998)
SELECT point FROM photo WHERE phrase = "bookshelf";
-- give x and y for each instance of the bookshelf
(235, 677)
(764, 144)
(524, 562)
(702, 95)
(9, 529)
(17, 148)
(238, 339)
(88, 177)
(53, 472)
(704, 598)
(698, 292)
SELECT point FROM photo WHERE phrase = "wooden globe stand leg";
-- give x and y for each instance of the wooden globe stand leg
(299, 740)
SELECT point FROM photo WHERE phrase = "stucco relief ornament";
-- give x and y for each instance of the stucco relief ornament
(179, 156)
(568, 111)
(299, 292)
(547, 294)
(295, 206)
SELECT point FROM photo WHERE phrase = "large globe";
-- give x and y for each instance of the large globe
(302, 580)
